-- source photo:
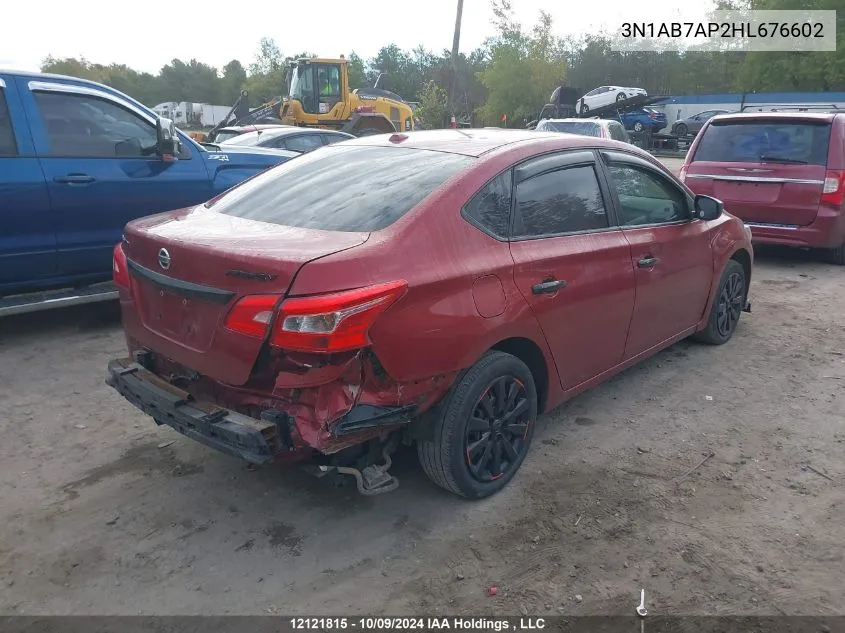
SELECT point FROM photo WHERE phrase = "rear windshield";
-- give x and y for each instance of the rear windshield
(582, 128)
(225, 136)
(765, 141)
(338, 188)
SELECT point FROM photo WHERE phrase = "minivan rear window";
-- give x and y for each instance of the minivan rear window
(338, 188)
(746, 142)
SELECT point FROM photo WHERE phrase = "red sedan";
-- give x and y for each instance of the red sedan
(435, 288)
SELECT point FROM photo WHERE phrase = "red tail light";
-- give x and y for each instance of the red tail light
(252, 314)
(652, 116)
(120, 270)
(335, 322)
(833, 192)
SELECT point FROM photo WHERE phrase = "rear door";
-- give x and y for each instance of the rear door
(98, 156)
(27, 238)
(572, 265)
(766, 170)
(670, 250)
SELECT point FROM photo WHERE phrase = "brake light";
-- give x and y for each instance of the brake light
(251, 315)
(652, 116)
(336, 322)
(682, 174)
(834, 187)
(120, 270)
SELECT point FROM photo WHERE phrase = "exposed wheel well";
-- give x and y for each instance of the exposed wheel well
(529, 353)
(744, 260)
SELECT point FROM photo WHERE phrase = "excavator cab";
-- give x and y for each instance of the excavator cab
(316, 85)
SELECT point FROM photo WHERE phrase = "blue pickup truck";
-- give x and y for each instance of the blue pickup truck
(78, 160)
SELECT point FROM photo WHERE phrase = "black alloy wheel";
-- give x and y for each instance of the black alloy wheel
(495, 438)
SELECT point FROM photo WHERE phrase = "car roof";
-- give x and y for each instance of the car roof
(286, 130)
(467, 141)
(780, 116)
(477, 142)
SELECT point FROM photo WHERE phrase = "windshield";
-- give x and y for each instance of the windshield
(583, 128)
(342, 188)
(741, 142)
(300, 84)
(220, 137)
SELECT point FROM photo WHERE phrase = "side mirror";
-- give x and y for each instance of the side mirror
(707, 208)
(167, 141)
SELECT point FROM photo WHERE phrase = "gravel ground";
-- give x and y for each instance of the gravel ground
(104, 513)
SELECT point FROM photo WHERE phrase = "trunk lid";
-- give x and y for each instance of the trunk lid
(768, 170)
(189, 268)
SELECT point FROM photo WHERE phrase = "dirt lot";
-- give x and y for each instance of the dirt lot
(104, 513)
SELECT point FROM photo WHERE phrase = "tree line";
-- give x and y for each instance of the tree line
(508, 78)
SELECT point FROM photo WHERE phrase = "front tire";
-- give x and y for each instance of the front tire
(483, 429)
(584, 108)
(681, 130)
(727, 306)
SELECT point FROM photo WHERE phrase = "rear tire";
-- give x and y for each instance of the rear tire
(491, 410)
(836, 255)
(638, 126)
(621, 96)
(727, 306)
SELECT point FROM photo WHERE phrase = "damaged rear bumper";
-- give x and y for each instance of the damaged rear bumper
(256, 441)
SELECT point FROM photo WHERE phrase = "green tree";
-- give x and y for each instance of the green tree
(433, 105)
(357, 71)
(232, 82)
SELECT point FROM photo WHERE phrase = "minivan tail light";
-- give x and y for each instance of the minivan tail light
(120, 269)
(834, 187)
(335, 322)
(252, 315)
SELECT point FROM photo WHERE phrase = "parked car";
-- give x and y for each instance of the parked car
(295, 139)
(693, 124)
(599, 128)
(441, 288)
(783, 173)
(78, 160)
(607, 95)
(226, 133)
(643, 119)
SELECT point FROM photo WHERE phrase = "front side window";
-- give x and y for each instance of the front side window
(8, 146)
(562, 201)
(645, 198)
(490, 208)
(86, 127)
(342, 188)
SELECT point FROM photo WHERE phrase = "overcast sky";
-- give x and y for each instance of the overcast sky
(146, 36)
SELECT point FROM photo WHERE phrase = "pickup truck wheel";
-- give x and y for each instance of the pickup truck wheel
(727, 306)
(836, 255)
(484, 428)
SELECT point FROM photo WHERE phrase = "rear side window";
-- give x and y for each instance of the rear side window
(8, 146)
(617, 132)
(561, 201)
(490, 208)
(342, 188)
(765, 141)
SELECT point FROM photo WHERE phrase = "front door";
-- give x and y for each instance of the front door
(670, 250)
(27, 240)
(99, 158)
(571, 264)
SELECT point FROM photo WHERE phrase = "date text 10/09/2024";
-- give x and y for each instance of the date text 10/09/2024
(498, 625)
(725, 30)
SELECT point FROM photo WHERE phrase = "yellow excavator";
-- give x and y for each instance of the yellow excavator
(319, 96)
